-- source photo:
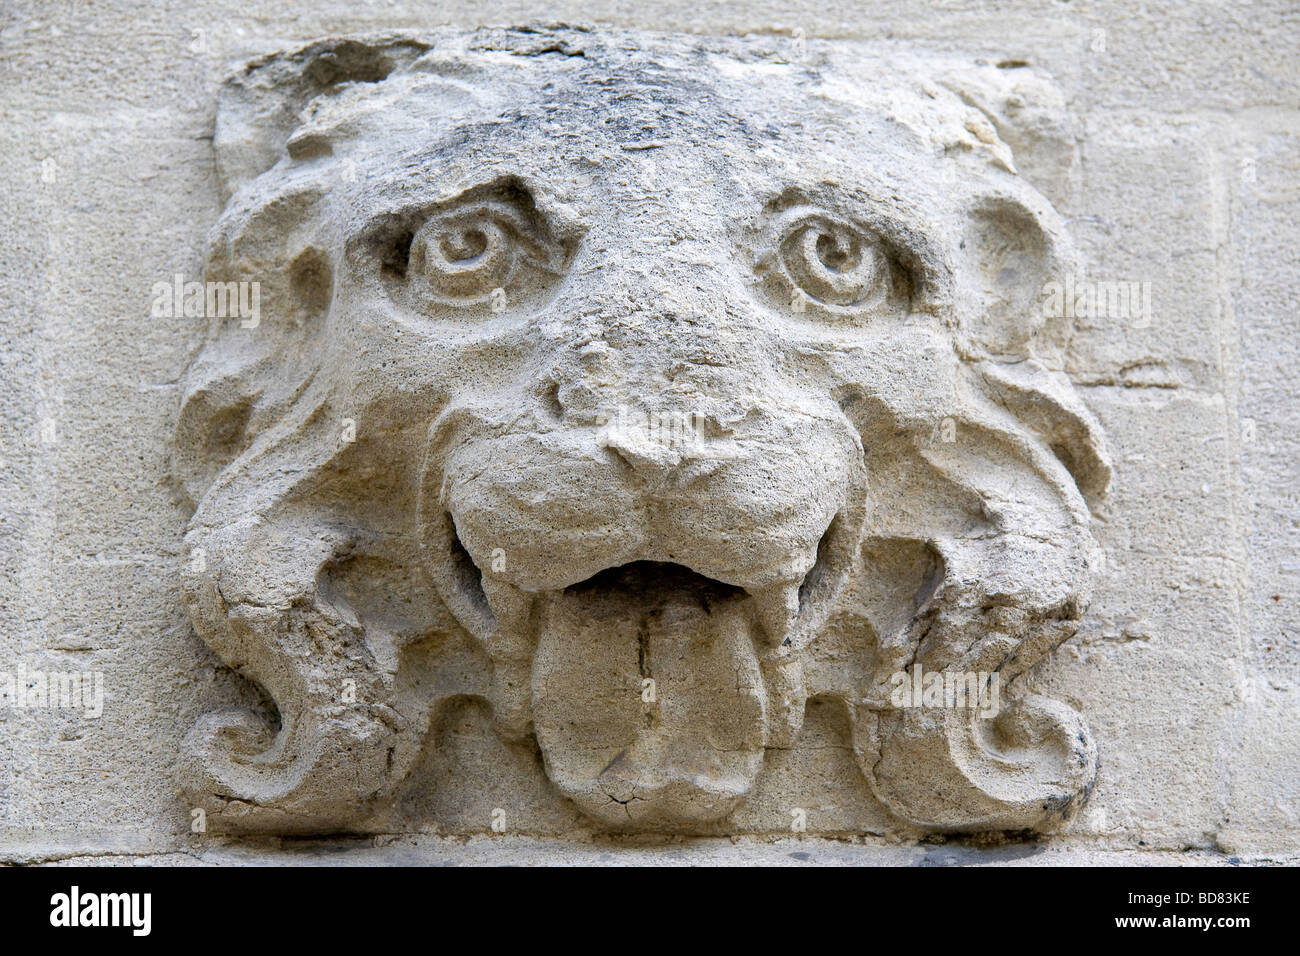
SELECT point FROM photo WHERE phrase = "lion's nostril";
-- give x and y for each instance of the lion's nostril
(649, 459)
(622, 459)
(550, 400)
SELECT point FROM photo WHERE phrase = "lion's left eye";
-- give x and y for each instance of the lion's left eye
(490, 247)
(834, 262)
(467, 253)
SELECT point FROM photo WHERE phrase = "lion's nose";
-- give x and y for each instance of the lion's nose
(651, 457)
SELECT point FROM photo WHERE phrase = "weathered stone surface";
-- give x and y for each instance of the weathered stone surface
(668, 367)
(769, 409)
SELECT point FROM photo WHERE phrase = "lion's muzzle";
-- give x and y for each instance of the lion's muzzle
(661, 572)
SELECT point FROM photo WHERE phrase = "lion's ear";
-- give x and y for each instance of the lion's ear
(261, 105)
(277, 282)
(1013, 242)
(1014, 252)
(1012, 248)
(1028, 111)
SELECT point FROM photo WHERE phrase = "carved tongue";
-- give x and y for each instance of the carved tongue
(647, 695)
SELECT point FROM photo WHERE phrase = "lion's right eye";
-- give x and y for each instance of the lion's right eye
(834, 262)
(490, 247)
(851, 266)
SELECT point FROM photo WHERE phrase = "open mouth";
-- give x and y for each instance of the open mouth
(655, 588)
(780, 613)
(659, 590)
(649, 685)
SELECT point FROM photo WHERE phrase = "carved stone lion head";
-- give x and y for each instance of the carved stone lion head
(690, 378)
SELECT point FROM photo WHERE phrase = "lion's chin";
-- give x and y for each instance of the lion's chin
(648, 696)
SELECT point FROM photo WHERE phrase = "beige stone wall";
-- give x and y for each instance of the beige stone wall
(1187, 175)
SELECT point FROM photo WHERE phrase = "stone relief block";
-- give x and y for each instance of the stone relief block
(683, 380)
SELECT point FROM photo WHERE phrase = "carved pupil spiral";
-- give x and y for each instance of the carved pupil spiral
(833, 262)
(465, 254)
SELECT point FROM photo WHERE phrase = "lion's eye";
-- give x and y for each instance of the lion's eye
(465, 254)
(490, 247)
(834, 262)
